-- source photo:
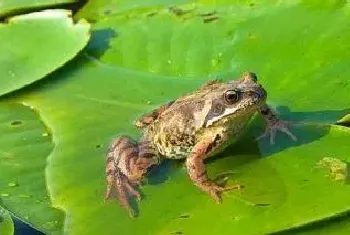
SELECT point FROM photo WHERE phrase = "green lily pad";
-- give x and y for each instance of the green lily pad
(24, 147)
(36, 44)
(165, 44)
(344, 120)
(9, 7)
(335, 226)
(6, 224)
(288, 177)
(126, 72)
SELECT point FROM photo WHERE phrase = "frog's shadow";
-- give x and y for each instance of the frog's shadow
(100, 42)
(306, 126)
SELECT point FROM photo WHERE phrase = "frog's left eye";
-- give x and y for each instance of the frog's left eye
(232, 96)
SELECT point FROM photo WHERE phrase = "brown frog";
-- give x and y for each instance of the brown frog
(194, 127)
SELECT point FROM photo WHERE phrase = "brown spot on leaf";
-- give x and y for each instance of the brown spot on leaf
(178, 11)
(263, 204)
(208, 14)
(16, 123)
(107, 12)
(184, 216)
(152, 14)
(211, 19)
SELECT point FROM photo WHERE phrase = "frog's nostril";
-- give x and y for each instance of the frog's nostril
(253, 93)
(256, 94)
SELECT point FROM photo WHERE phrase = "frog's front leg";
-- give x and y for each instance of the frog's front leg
(198, 174)
(127, 163)
(273, 124)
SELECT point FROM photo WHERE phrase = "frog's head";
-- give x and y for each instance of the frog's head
(234, 101)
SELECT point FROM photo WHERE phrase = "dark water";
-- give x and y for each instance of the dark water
(24, 229)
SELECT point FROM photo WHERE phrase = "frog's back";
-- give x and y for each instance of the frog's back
(212, 111)
(173, 132)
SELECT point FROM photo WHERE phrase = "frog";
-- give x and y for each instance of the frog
(194, 127)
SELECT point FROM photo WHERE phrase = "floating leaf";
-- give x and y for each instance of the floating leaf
(288, 177)
(23, 154)
(33, 45)
(335, 226)
(8, 7)
(6, 224)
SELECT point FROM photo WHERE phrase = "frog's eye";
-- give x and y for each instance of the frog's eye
(231, 96)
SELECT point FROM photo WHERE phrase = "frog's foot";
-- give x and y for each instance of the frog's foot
(124, 171)
(124, 188)
(277, 125)
(215, 191)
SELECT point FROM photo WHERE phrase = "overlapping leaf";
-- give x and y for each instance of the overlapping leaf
(24, 147)
(36, 44)
(6, 224)
(8, 7)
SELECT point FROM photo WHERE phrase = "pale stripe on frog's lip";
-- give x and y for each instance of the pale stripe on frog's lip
(230, 111)
(227, 112)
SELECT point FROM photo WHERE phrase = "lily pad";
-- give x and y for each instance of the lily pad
(240, 40)
(9, 7)
(36, 44)
(6, 224)
(334, 226)
(287, 176)
(24, 147)
(344, 120)
(125, 72)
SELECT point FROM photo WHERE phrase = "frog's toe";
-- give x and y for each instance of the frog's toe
(279, 125)
(130, 188)
(263, 135)
(215, 191)
(216, 195)
(287, 131)
(123, 189)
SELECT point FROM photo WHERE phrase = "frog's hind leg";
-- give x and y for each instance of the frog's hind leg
(127, 163)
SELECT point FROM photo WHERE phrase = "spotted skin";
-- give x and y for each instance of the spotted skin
(127, 163)
(193, 127)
